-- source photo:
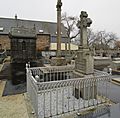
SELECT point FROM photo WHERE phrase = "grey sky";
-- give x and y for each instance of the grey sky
(104, 13)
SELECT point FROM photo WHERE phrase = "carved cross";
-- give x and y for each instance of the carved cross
(82, 25)
(59, 5)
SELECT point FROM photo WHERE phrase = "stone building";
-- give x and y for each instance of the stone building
(46, 32)
(23, 44)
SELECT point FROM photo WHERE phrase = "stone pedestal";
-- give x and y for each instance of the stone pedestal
(84, 62)
(84, 66)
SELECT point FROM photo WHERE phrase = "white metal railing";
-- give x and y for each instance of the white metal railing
(54, 97)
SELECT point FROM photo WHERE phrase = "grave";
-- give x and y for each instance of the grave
(60, 89)
(84, 63)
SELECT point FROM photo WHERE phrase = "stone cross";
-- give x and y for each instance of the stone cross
(58, 6)
(82, 25)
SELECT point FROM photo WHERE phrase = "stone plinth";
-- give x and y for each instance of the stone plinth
(58, 61)
(84, 66)
(84, 62)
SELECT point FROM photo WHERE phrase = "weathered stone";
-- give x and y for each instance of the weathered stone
(84, 61)
(42, 42)
(58, 61)
(23, 44)
(58, 6)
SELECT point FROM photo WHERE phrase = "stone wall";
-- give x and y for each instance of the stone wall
(4, 42)
(43, 42)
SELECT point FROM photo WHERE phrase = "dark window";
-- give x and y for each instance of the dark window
(23, 45)
(0, 46)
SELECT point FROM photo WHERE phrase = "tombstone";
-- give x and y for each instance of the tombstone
(84, 63)
(23, 50)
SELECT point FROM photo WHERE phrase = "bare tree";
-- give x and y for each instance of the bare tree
(117, 44)
(99, 40)
(70, 25)
(91, 37)
(104, 40)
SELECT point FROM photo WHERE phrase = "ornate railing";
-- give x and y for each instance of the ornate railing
(55, 91)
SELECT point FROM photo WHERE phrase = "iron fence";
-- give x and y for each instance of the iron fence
(55, 91)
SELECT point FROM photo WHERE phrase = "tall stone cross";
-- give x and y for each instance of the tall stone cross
(58, 6)
(82, 25)
(84, 62)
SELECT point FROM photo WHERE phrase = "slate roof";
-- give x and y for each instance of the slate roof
(47, 27)
(22, 32)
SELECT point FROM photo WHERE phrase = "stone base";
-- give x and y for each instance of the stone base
(84, 63)
(58, 61)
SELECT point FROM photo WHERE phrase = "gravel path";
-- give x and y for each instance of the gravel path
(12, 106)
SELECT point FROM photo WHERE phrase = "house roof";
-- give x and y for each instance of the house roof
(22, 32)
(41, 26)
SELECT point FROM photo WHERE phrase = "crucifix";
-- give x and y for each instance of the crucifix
(82, 25)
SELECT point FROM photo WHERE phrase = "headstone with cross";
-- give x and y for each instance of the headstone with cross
(82, 25)
(84, 61)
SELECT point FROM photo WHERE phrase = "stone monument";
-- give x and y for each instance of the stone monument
(58, 6)
(84, 61)
(58, 60)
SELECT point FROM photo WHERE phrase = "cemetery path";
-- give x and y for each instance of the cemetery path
(12, 106)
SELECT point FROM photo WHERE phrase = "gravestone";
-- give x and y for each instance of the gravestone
(84, 63)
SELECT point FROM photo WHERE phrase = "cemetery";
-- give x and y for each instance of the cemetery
(52, 81)
(63, 88)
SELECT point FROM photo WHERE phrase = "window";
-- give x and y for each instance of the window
(40, 31)
(1, 29)
(0, 46)
(23, 45)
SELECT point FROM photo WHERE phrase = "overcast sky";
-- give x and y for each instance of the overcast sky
(104, 13)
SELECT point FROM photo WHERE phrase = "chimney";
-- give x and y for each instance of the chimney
(15, 16)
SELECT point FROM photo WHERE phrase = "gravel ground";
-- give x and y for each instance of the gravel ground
(14, 106)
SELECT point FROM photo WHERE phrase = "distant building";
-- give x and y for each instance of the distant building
(46, 32)
(23, 44)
